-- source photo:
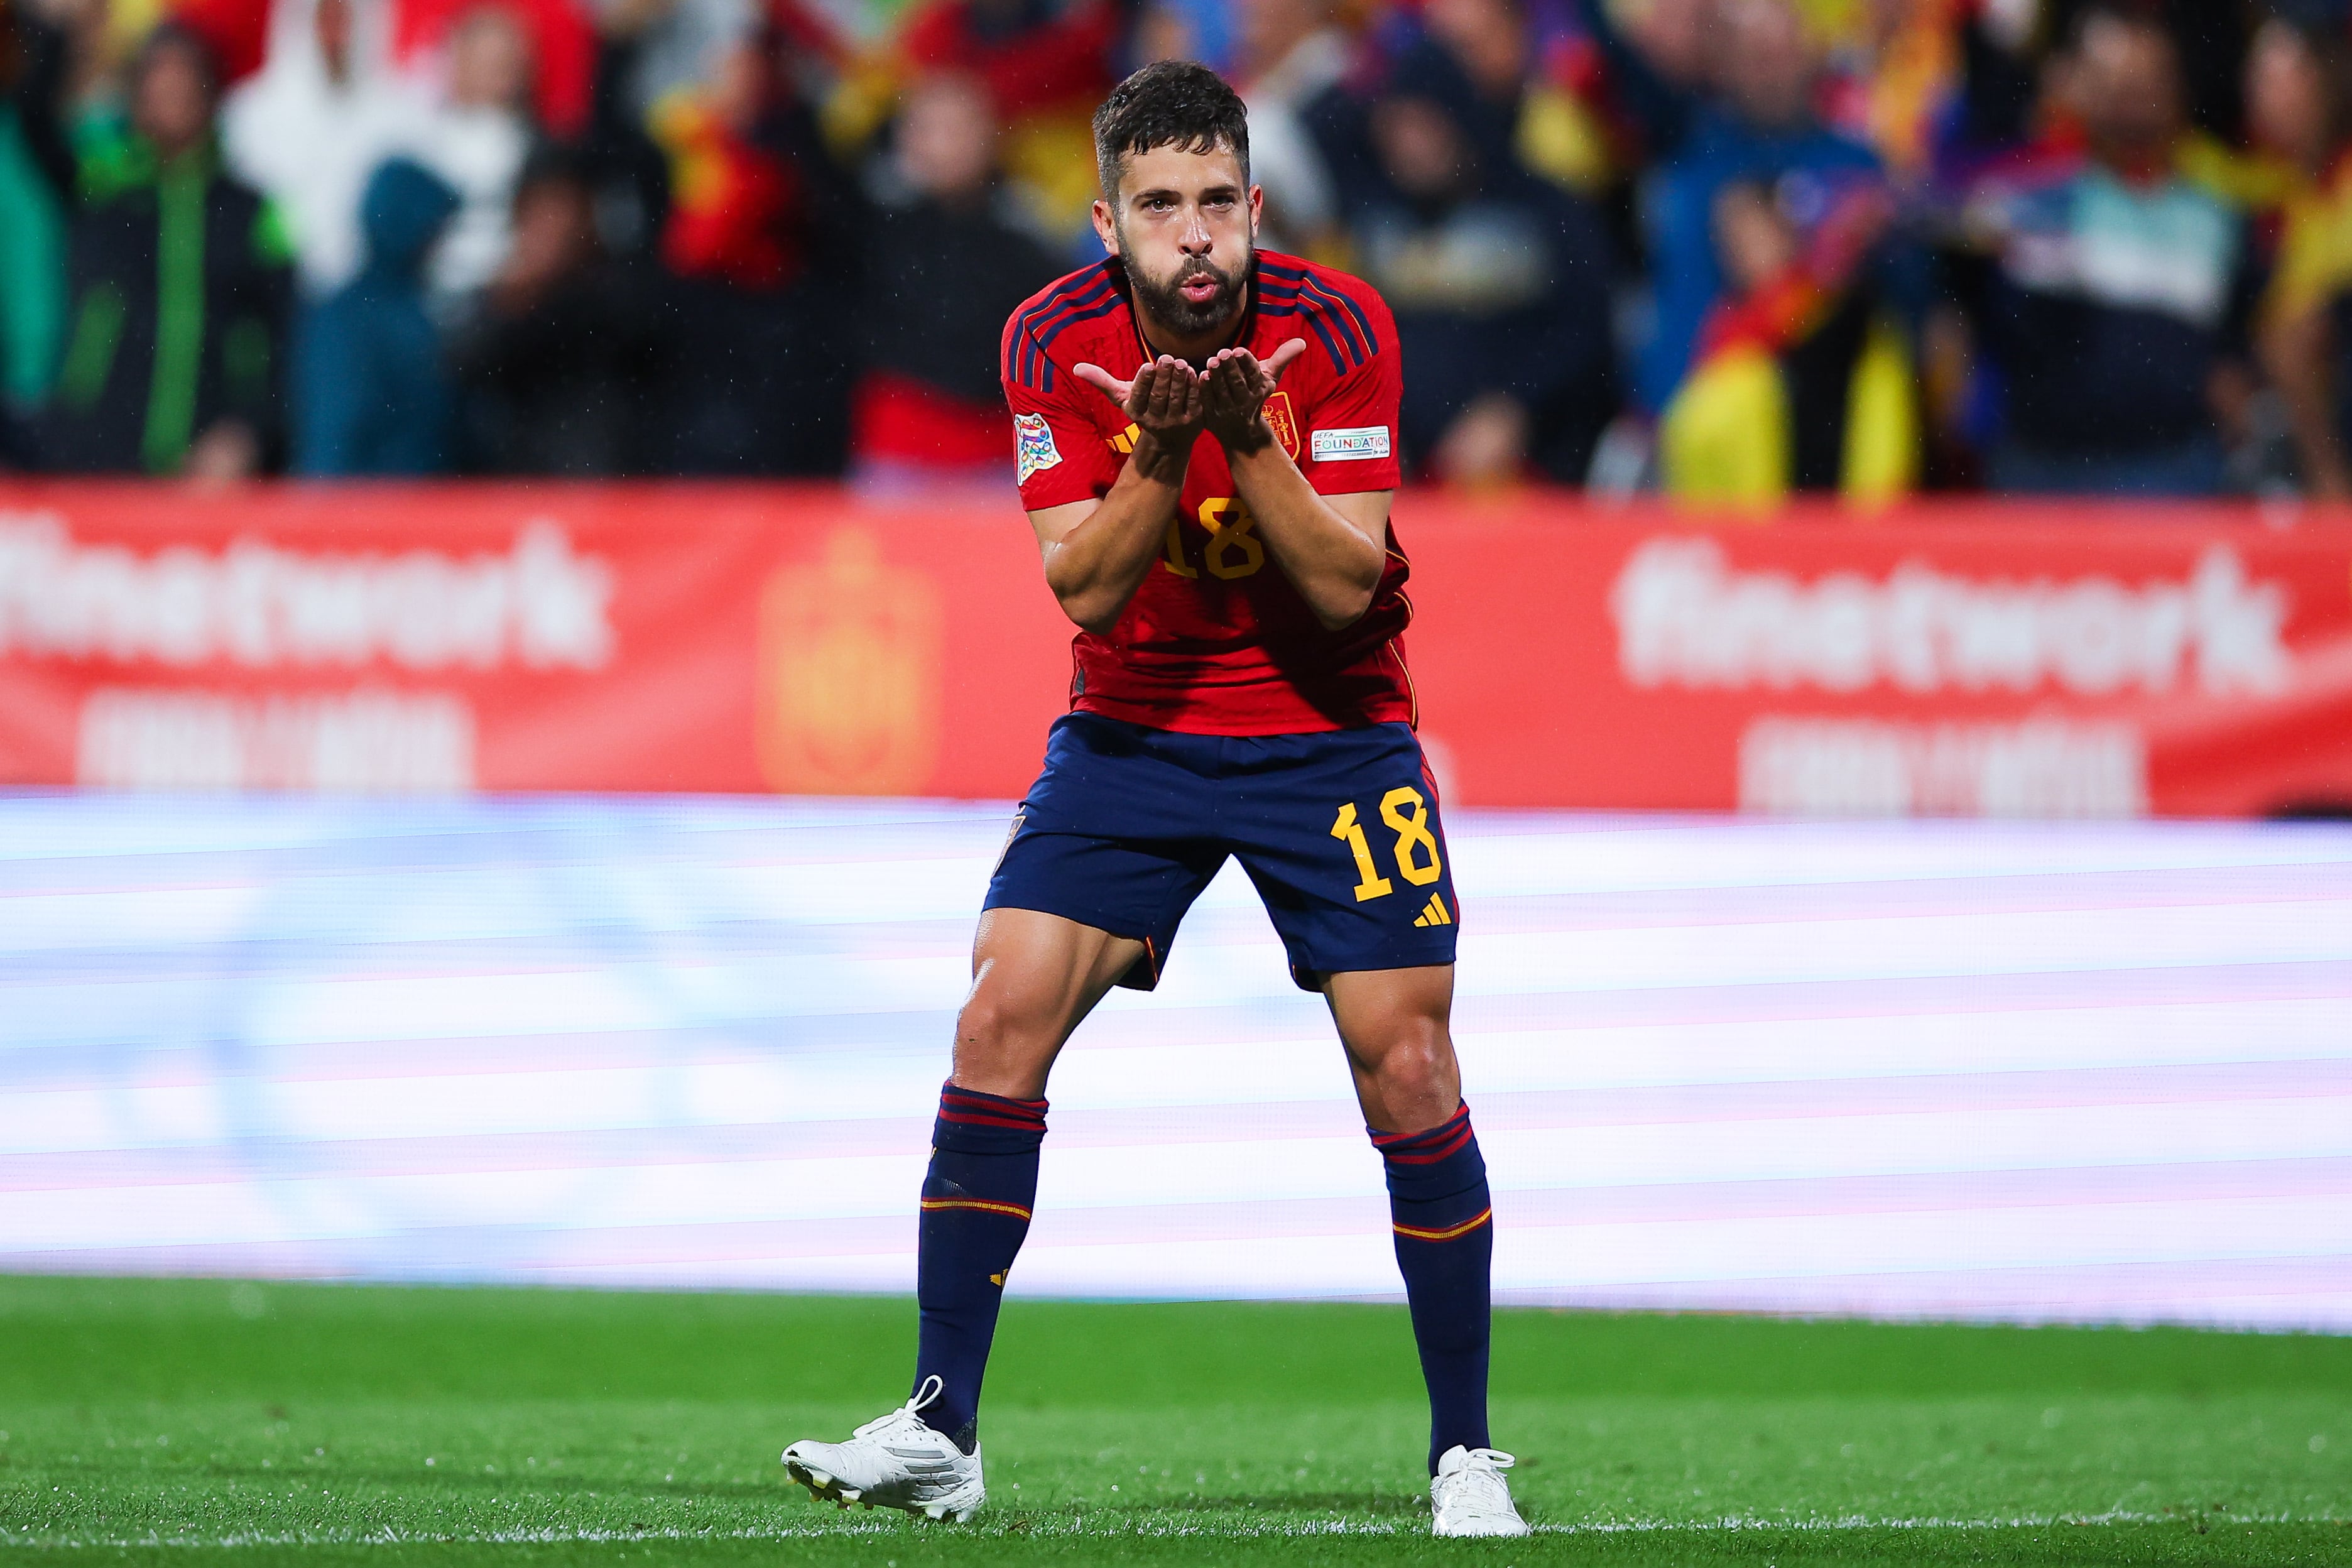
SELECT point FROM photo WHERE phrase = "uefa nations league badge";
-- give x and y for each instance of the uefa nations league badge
(1033, 448)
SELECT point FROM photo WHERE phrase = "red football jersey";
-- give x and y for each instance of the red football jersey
(1217, 641)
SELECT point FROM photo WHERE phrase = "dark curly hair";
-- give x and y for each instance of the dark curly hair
(1170, 104)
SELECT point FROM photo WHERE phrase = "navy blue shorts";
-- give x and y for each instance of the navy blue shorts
(1338, 831)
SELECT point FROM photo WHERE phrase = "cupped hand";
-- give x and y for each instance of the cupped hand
(1166, 398)
(1236, 387)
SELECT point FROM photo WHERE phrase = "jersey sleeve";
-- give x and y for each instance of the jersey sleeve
(1058, 453)
(1350, 442)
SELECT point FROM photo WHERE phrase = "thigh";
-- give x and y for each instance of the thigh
(1340, 834)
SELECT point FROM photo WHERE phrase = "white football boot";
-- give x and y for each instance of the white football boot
(895, 1462)
(1469, 1496)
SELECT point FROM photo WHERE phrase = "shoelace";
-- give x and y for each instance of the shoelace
(932, 1387)
(1486, 1465)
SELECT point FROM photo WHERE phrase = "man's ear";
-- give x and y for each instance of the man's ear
(1105, 230)
(1256, 210)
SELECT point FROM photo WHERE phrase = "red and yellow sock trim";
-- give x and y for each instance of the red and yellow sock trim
(984, 1205)
(1427, 1147)
(1445, 1234)
(974, 1109)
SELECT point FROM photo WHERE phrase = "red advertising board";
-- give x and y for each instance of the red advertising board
(2028, 659)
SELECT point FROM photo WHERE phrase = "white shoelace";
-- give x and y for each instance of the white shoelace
(932, 1387)
(1486, 1465)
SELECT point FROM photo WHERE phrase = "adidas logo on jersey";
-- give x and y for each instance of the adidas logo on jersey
(1434, 914)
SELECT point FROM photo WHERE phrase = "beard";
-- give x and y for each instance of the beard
(1163, 299)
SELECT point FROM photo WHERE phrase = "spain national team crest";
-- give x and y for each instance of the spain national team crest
(1033, 448)
(849, 672)
(1286, 427)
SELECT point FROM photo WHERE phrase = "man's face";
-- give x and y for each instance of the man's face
(1269, 29)
(489, 62)
(1421, 148)
(2286, 94)
(1186, 225)
(171, 103)
(2126, 87)
(1765, 64)
(332, 21)
(946, 138)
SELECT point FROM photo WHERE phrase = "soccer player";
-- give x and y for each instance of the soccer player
(1207, 449)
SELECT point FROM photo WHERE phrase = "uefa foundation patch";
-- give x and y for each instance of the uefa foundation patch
(1033, 446)
(1362, 443)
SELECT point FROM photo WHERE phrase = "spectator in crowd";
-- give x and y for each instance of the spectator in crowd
(1491, 44)
(1046, 65)
(2299, 112)
(558, 40)
(371, 393)
(950, 259)
(179, 287)
(757, 239)
(672, 44)
(627, 169)
(1500, 284)
(2147, 277)
(557, 363)
(1292, 56)
(1761, 128)
(37, 181)
(310, 128)
(1799, 383)
(2115, 306)
(1651, 67)
(480, 136)
(1197, 30)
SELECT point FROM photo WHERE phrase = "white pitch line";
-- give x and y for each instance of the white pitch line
(1077, 1526)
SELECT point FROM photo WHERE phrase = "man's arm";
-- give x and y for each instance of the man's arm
(1332, 548)
(1097, 553)
(2295, 350)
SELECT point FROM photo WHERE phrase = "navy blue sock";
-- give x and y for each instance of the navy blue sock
(1444, 1226)
(976, 1201)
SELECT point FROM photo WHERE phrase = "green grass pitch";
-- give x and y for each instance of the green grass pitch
(206, 1423)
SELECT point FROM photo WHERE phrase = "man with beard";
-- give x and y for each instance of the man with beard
(1206, 444)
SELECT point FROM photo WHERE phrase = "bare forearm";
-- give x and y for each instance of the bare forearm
(1335, 565)
(1096, 569)
(2293, 352)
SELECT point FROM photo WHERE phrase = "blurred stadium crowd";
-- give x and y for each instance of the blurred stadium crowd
(1726, 249)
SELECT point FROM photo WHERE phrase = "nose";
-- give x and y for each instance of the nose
(1193, 240)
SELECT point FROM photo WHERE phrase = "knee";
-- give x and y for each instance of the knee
(985, 1025)
(1000, 1046)
(1418, 1079)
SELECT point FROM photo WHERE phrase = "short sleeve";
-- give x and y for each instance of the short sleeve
(1350, 442)
(1059, 454)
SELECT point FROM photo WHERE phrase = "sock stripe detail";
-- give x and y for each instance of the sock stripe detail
(980, 1101)
(984, 1205)
(969, 1107)
(1446, 1233)
(1446, 1139)
(971, 1119)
